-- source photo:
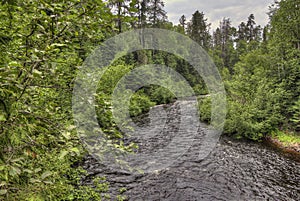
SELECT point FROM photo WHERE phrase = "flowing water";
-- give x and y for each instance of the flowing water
(234, 170)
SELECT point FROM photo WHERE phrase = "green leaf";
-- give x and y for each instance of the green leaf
(3, 191)
(66, 135)
(28, 171)
(46, 174)
(48, 182)
(63, 154)
(2, 117)
(32, 180)
(14, 171)
(17, 160)
(13, 64)
(2, 183)
(71, 127)
(36, 72)
(76, 150)
(57, 45)
(37, 170)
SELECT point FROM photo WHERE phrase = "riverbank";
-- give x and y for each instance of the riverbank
(285, 142)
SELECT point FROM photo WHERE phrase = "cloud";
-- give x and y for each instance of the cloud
(215, 10)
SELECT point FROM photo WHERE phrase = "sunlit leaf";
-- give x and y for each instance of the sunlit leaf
(3, 191)
(46, 174)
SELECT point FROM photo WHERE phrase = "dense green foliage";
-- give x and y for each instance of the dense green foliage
(41, 46)
(262, 83)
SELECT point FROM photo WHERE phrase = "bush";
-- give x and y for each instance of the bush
(139, 103)
(161, 95)
(205, 109)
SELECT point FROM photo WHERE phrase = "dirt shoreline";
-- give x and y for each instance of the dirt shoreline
(292, 151)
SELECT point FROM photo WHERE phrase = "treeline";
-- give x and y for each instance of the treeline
(260, 65)
(43, 44)
(260, 68)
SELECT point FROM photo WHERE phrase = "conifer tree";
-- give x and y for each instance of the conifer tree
(182, 22)
(156, 13)
(198, 29)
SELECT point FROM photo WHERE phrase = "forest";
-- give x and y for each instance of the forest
(43, 43)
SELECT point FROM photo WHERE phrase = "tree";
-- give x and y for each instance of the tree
(264, 90)
(285, 24)
(156, 13)
(248, 36)
(253, 32)
(250, 27)
(223, 44)
(226, 42)
(182, 22)
(143, 7)
(265, 33)
(123, 9)
(198, 29)
(255, 100)
(242, 31)
(217, 38)
(42, 44)
(284, 46)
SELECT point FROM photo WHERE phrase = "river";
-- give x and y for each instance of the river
(234, 170)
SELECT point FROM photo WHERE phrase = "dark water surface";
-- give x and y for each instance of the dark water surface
(235, 170)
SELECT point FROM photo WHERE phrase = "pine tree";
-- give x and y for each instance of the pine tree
(242, 31)
(182, 22)
(252, 32)
(223, 43)
(284, 43)
(250, 27)
(217, 39)
(156, 13)
(143, 7)
(227, 39)
(198, 29)
(249, 36)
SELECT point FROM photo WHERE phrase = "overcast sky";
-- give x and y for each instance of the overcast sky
(215, 10)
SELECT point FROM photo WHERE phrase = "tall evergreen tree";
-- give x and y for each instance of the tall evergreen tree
(284, 44)
(143, 7)
(217, 38)
(198, 29)
(242, 31)
(223, 43)
(182, 22)
(227, 43)
(156, 13)
(250, 27)
(253, 32)
(249, 36)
